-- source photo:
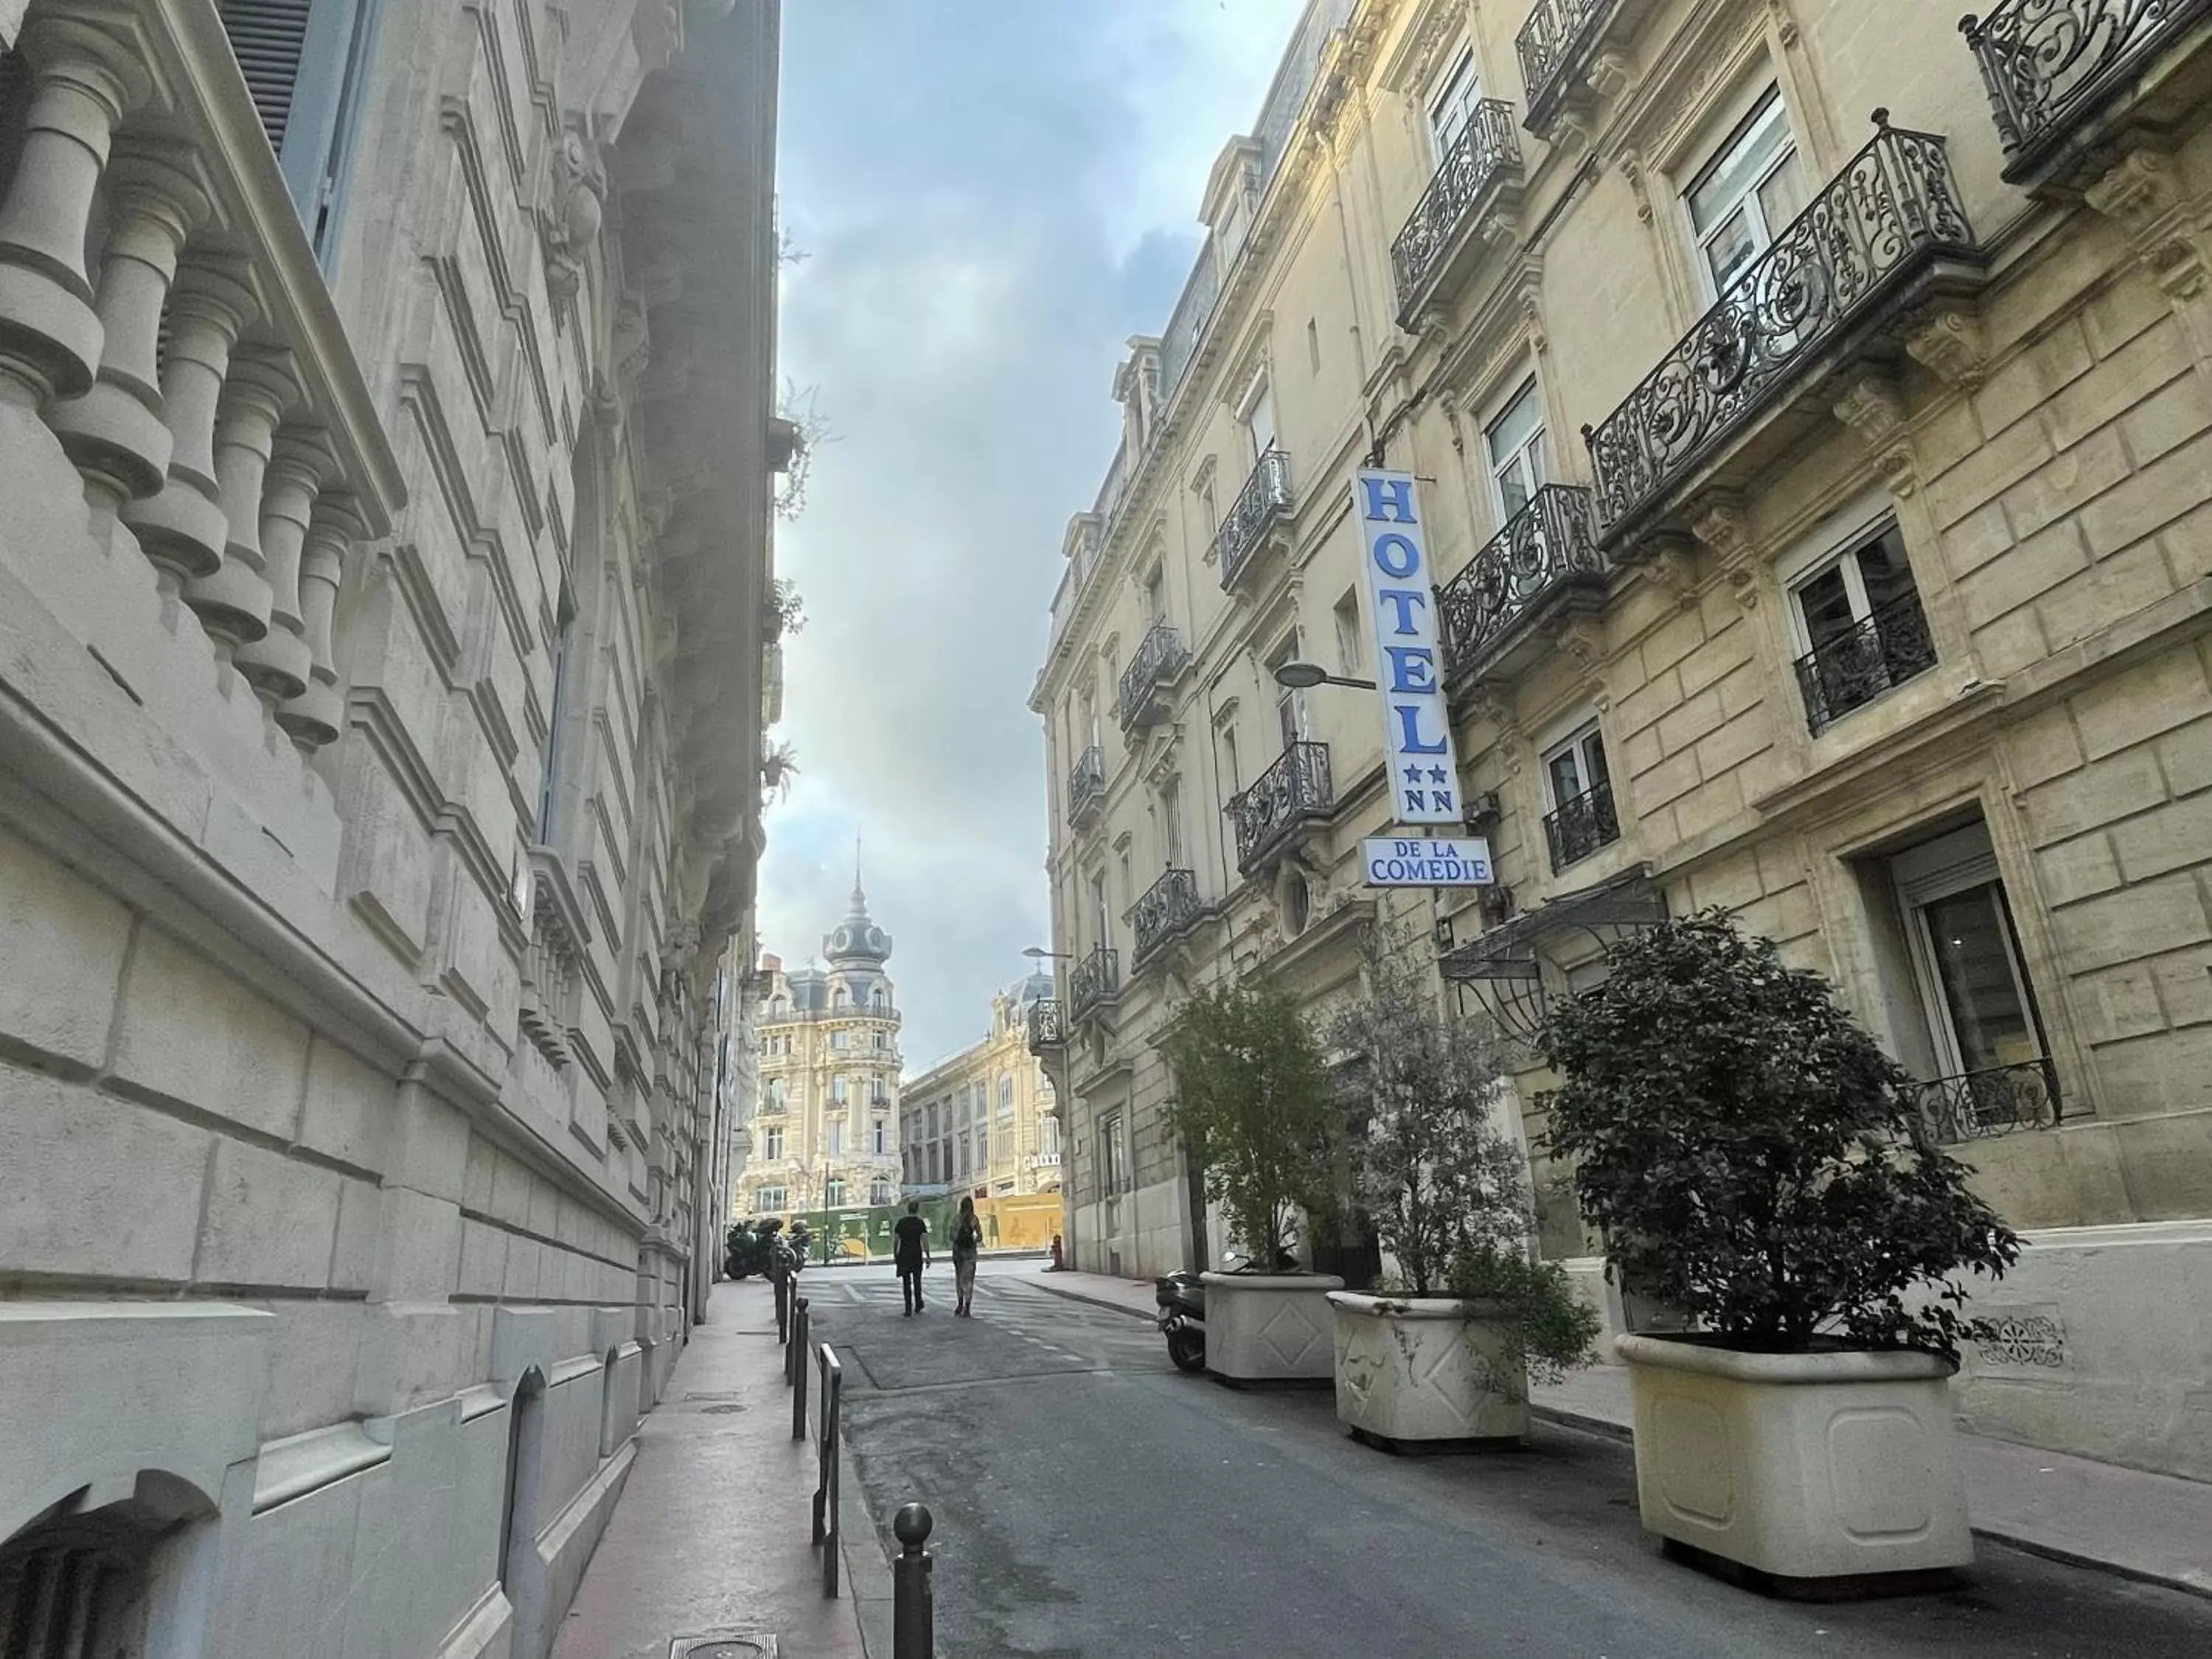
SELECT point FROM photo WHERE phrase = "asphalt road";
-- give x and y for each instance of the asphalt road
(1092, 1501)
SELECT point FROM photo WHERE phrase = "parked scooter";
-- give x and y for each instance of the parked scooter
(1181, 1317)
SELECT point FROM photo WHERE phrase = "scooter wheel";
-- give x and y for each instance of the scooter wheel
(1187, 1350)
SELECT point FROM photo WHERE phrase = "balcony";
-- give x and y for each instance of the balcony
(1048, 1029)
(1095, 983)
(1556, 45)
(1160, 662)
(1863, 663)
(1169, 908)
(1975, 1105)
(1086, 788)
(1887, 234)
(1577, 828)
(1544, 562)
(1262, 504)
(2051, 67)
(1477, 184)
(1294, 790)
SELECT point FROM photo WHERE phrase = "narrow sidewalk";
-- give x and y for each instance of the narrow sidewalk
(712, 1535)
(2156, 1528)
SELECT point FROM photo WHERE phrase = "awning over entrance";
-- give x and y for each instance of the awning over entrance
(1515, 967)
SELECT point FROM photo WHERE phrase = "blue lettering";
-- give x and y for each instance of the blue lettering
(1413, 668)
(1390, 547)
(1402, 600)
(1409, 730)
(1416, 801)
(1443, 800)
(1395, 494)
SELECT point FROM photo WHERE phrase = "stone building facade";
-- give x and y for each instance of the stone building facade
(986, 1122)
(1820, 507)
(824, 1129)
(379, 733)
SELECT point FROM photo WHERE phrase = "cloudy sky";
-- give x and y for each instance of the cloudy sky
(992, 196)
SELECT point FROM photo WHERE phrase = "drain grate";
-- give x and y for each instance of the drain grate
(723, 1647)
(719, 1411)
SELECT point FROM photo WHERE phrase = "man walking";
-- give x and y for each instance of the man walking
(911, 1254)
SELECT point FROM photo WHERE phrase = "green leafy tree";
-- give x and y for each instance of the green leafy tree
(1750, 1154)
(1447, 1186)
(1254, 1104)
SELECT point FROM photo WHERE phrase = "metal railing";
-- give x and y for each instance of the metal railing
(1575, 829)
(1546, 544)
(1086, 784)
(1160, 656)
(1094, 980)
(1297, 787)
(1974, 1105)
(1265, 498)
(1485, 149)
(1557, 34)
(1851, 669)
(2048, 64)
(1047, 1025)
(829, 1420)
(1893, 211)
(1169, 905)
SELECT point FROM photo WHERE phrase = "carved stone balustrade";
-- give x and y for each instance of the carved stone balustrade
(245, 464)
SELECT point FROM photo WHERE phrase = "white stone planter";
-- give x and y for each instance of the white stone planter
(1424, 1369)
(1803, 1466)
(1270, 1327)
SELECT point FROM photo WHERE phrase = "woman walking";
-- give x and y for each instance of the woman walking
(967, 1240)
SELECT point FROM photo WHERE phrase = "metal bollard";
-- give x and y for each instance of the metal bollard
(794, 1351)
(913, 1609)
(782, 1309)
(799, 1322)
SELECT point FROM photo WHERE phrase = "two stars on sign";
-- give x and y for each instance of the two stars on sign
(1436, 774)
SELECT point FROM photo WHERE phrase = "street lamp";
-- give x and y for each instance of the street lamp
(1038, 953)
(1304, 676)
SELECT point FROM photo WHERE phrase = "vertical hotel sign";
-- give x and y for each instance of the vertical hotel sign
(1409, 668)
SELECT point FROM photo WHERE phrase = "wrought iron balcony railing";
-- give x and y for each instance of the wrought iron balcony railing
(1551, 43)
(1486, 153)
(1169, 907)
(1546, 548)
(1975, 1105)
(1086, 786)
(1891, 216)
(1161, 655)
(1265, 498)
(2049, 65)
(1295, 788)
(1094, 982)
(1047, 1026)
(1575, 829)
(1861, 664)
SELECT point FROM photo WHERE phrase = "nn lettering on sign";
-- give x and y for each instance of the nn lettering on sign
(1416, 738)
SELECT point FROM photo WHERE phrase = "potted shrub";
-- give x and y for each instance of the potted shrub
(1254, 1105)
(1748, 1153)
(1444, 1355)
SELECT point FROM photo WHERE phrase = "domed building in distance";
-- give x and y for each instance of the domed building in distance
(825, 1128)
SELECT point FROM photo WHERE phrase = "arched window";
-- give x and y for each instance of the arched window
(877, 999)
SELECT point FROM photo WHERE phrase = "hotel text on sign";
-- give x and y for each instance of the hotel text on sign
(1416, 738)
(1421, 861)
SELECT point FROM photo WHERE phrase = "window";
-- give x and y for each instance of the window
(1858, 627)
(1102, 920)
(1313, 346)
(838, 1088)
(1156, 599)
(967, 1159)
(1257, 416)
(1005, 1100)
(837, 998)
(779, 1008)
(1048, 1136)
(879, 1137)
(1290, 705)
(772, 1145)
(833, 1194)
(1230, 235)
(768, 1199)
(1579, 816)
(879, 1193)
(1209, 514)
(1747, 192)
(1516, 453)
(777, 1090)
(983, 1141)
(1112, 1166)
(1171, 824)
(1451, 106)
(878, 998)
(836, 1133)
(883, 1040)
(306, 63)
(1348, 657)
(1127, 897)
(564, 671)
(839, 1040)
(1965, 954)
(1231, 773)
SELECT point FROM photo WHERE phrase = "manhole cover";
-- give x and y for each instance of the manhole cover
(718, 1411)
(722, 1647)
